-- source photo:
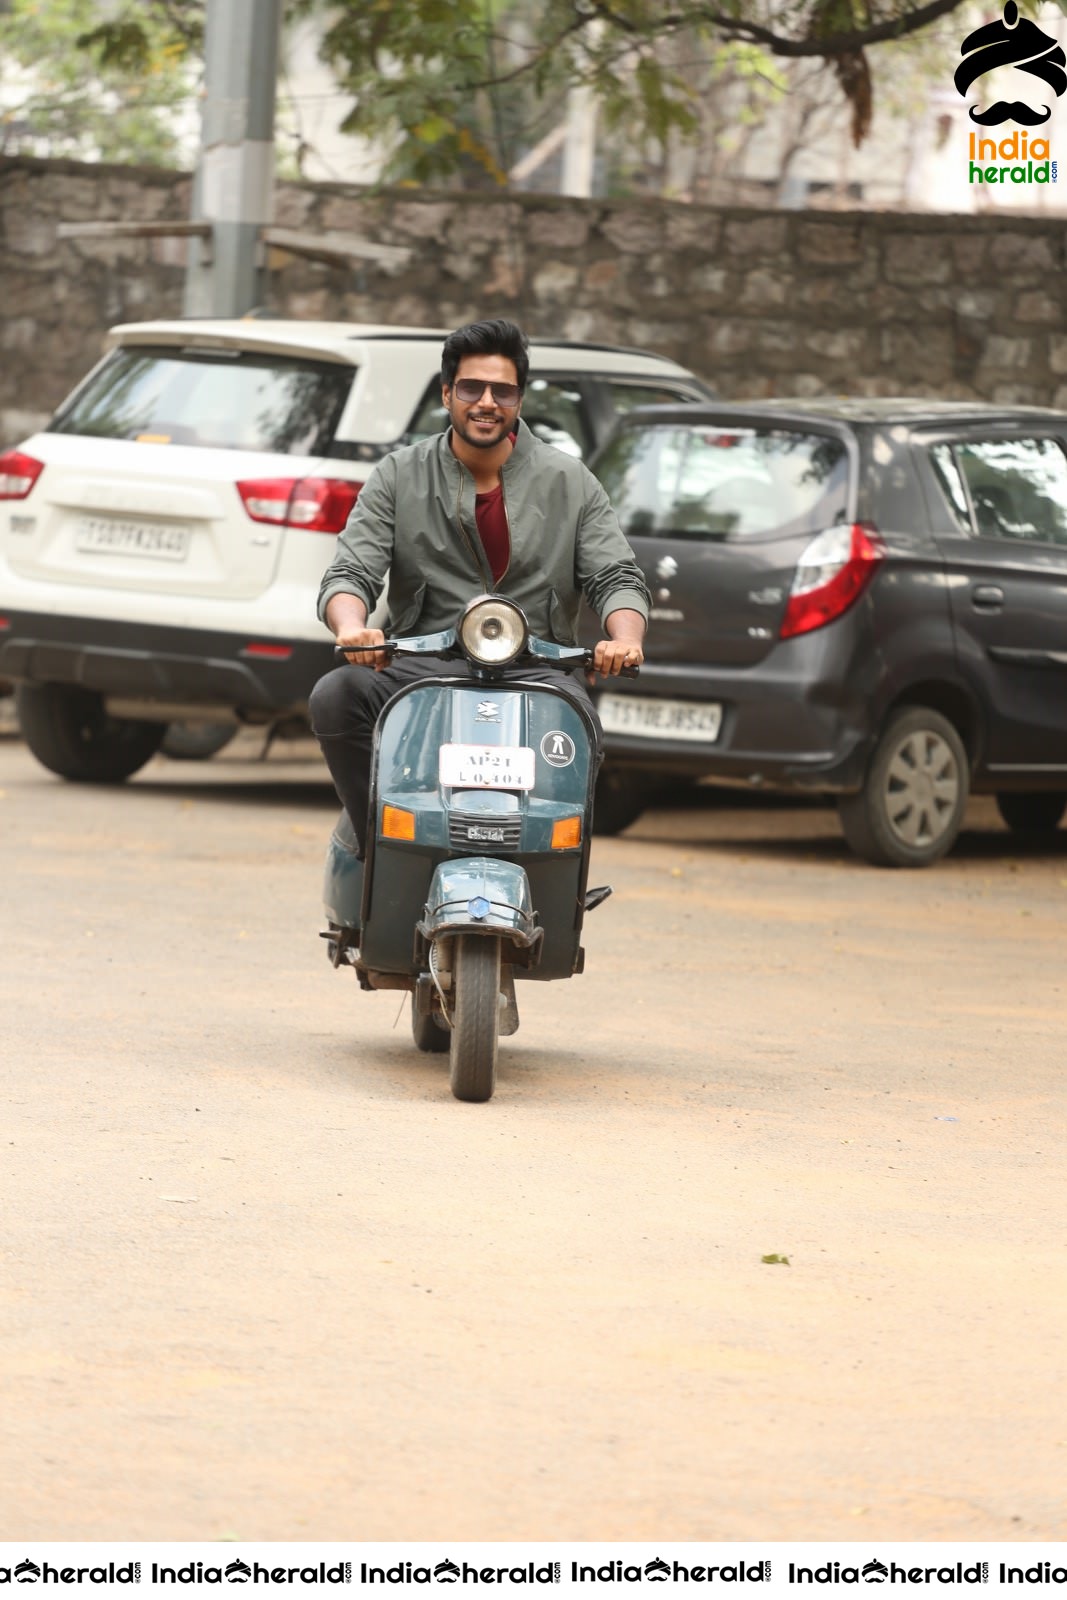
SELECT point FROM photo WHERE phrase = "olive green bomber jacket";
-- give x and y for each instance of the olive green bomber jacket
(414, 523)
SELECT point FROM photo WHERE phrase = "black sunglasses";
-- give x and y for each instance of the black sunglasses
(471, 389)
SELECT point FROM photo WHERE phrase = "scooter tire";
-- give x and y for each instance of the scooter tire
(476, 1016)
(428, 1033)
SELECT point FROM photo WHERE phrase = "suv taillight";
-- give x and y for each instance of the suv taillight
(831, 574)
(18, 474)
(318, 505)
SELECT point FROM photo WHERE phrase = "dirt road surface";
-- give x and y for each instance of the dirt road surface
(264, 1279)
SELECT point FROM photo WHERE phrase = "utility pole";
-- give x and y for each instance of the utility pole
(230, 228)
(233, 190)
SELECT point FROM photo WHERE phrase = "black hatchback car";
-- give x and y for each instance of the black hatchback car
(865, 599)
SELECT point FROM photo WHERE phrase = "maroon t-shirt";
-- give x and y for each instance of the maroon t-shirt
(493, 529)
(492, 520)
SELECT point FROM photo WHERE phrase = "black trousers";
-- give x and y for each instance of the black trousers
(345, 705)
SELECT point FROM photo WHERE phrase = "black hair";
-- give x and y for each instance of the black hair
(495, 338)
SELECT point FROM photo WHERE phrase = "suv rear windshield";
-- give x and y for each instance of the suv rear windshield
(222, 399)
(711, 481)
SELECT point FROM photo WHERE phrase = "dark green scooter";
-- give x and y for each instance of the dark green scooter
(476, 864)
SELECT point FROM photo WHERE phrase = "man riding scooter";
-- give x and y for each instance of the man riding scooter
(482, 507)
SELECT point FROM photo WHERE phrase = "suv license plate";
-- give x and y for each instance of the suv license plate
(487, 766)
(108, 536)
(662, 719)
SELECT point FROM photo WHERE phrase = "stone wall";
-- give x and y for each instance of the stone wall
(759, 303)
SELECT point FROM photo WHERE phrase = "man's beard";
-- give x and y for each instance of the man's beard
(481, 441)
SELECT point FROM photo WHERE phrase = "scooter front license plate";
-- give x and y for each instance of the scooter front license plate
(487, 766)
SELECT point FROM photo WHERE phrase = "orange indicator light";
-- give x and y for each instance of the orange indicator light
(567, 833)
(397, 823)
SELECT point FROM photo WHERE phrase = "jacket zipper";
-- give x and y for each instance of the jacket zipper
(507, 523)
(481, 561)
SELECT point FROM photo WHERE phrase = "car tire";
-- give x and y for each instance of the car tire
(196, 741)
(621, 795)
(1037, 813)
(910, 809)
(69, 731)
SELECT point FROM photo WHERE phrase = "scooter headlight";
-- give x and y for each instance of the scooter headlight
(493, 631)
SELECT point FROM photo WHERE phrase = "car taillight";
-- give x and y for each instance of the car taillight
(831, 574)
(18, 474)
(318, 505)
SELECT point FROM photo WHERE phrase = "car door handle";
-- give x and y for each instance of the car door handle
(987, 597)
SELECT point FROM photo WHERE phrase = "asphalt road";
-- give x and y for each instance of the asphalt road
(263, 1278)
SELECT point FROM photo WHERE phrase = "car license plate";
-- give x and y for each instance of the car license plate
(662, 719)
(113, 537)
(487, 766)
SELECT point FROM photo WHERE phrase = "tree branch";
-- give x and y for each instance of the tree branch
(731, 28)
(831, 44)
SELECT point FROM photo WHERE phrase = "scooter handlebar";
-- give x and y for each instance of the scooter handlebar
(568, 660)
(341, 653)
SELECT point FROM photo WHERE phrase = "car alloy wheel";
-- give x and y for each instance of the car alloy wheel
(909, 811)
(922, 789)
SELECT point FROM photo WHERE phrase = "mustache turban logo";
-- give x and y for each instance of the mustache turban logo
(1012, 41)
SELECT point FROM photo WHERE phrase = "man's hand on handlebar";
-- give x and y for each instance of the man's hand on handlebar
(611, 655)
(364, 640)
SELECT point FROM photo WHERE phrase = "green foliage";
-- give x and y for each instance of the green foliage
(453, 90)
(71, 85)
(461, 89)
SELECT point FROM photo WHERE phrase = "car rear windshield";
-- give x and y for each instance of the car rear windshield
(222, 399)
(712, 481)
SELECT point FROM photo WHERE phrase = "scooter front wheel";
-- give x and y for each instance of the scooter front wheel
(476, 1015)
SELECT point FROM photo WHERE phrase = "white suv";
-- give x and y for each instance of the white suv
(163, 539)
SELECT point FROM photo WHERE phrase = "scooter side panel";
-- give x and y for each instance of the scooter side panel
(399, 886)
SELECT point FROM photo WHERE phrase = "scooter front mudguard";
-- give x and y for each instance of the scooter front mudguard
(477, 894)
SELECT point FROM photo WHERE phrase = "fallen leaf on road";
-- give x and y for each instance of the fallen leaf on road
(776, 1261)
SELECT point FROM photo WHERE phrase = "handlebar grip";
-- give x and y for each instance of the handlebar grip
(586, 661)
(341, 652)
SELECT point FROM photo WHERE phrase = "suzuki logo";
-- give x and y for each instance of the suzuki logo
(666, 568)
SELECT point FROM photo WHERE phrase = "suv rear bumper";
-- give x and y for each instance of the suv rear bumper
(135, 661)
